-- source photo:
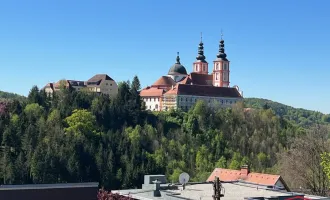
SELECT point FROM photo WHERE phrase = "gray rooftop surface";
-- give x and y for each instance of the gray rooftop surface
(204, 191)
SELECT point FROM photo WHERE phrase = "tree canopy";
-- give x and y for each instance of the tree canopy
(76, 136)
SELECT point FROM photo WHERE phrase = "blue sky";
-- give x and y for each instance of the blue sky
(278, 50)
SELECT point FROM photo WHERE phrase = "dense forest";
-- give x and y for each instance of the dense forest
(80, 136)
(9, 95)
(302, 117)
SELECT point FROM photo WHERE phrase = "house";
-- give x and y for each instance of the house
(244, 175)
(100, 83)
(180, 90)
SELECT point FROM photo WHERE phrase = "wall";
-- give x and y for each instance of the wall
(109, 87)
(49, 90)
(152, 103)
(169, 102)
(186, 101)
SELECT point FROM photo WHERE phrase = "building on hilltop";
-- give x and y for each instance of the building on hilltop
(181, 90)
(100, 83)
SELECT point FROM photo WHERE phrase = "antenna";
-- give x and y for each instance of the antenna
(201, 36)
(183, 179)
(221, 34)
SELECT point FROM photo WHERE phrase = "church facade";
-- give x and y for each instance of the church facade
(180, 90)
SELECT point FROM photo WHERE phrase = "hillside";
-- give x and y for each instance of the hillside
(302, 117)
(9, 95)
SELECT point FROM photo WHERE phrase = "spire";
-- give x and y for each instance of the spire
(177, 59)
(222, 53)
(200, 55)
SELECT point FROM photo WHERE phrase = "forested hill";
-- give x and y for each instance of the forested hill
(302, 117)
(80, 136)
(9, 95)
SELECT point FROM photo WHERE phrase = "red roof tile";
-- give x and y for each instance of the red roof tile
(164, 81)
(151, 92)
(235, 175)
(204, 90)
(198, 79)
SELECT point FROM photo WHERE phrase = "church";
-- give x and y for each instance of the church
(180, 90)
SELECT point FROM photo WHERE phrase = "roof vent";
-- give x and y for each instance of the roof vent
(156, 190)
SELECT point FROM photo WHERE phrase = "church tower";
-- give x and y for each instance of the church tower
(221, 67)
(200, 65)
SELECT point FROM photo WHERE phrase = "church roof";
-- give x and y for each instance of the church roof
(177, 68)
(198, 79)
(204, 90)
(164, 81)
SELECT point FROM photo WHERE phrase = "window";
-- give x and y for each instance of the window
(216, 76)
(110, 84)
(196, 67)
(156, 106)
(224, 76)
(186, 99)
(224, 66)
(204, 67)
(217, 66)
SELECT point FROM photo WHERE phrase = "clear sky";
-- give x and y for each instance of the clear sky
(278, 50)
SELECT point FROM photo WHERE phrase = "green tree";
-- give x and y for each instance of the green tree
(81, 122)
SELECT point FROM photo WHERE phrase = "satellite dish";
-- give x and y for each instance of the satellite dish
(184, 178)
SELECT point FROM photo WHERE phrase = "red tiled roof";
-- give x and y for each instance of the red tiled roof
(198, 79)
(151, 92)
(164, 81)
(204, 90)
(235, 175)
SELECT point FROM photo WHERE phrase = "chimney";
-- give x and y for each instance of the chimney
(245, 171)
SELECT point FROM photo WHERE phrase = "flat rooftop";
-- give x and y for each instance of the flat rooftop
(204, 191)
(49, 186)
